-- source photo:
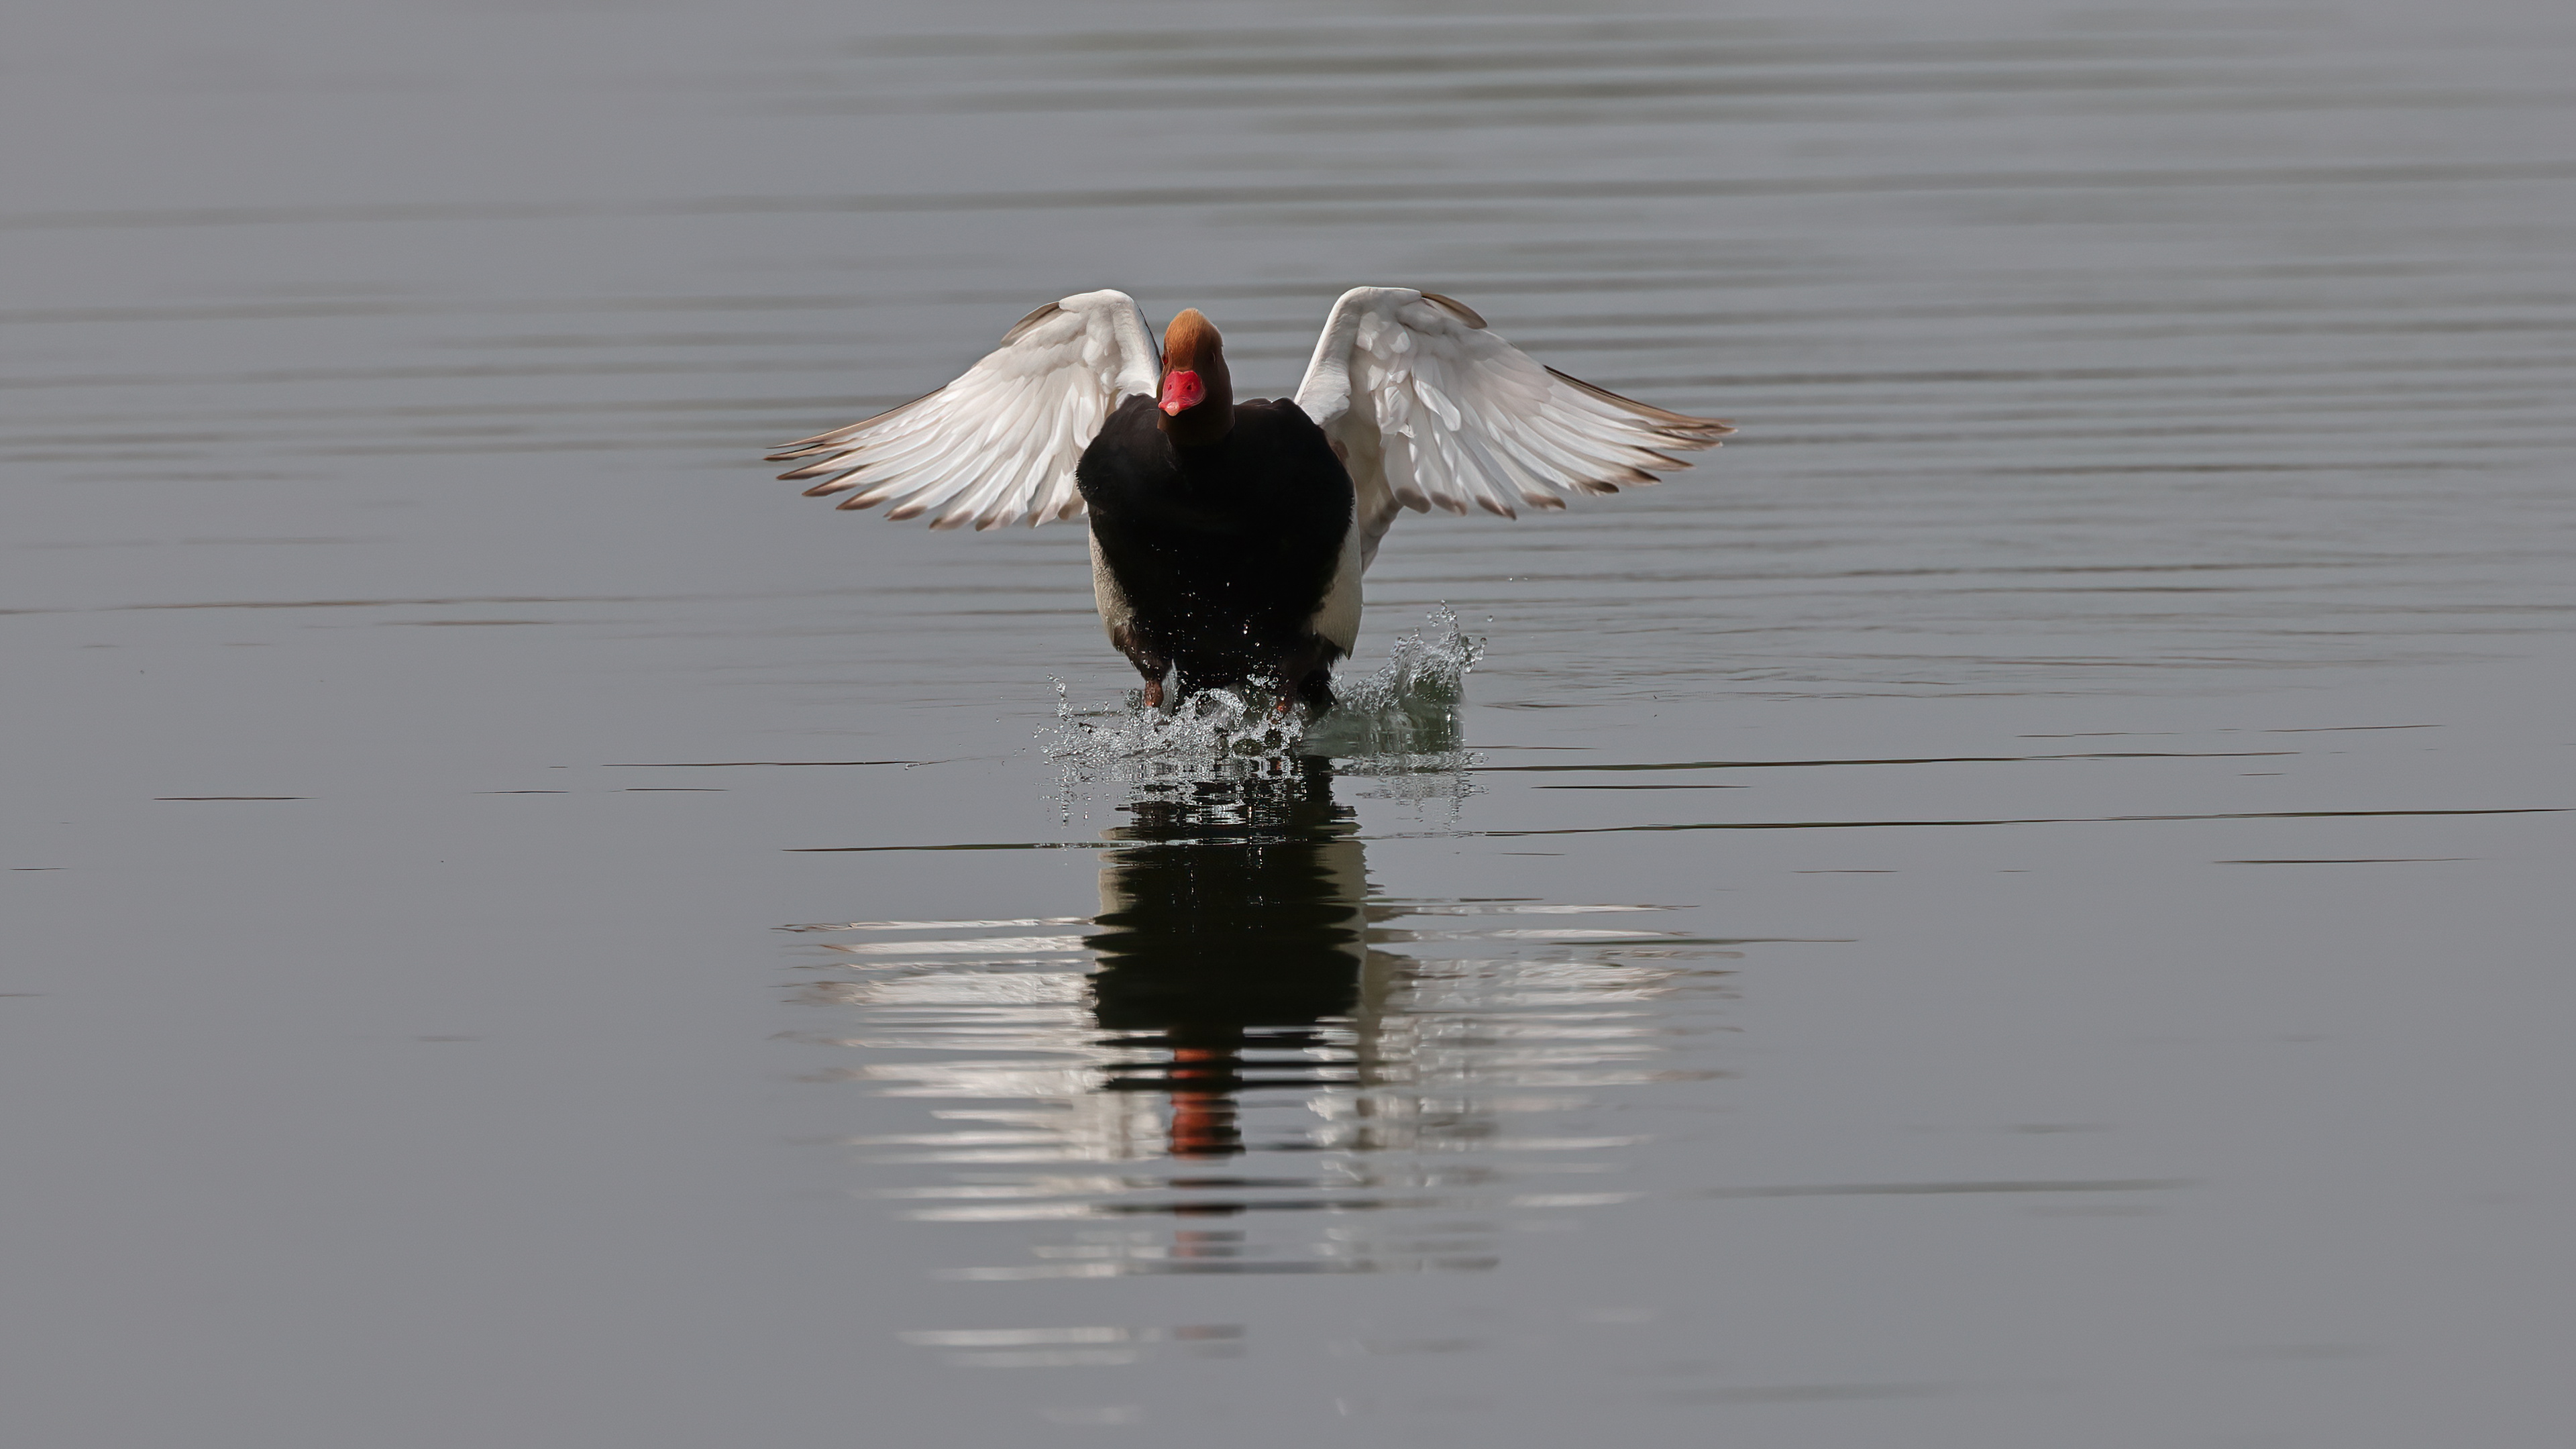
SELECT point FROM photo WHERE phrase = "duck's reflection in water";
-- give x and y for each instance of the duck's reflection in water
(1233, 928)
(1245, 1046)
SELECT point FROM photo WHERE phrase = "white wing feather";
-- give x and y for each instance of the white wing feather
(1435, 411)
(998, 444)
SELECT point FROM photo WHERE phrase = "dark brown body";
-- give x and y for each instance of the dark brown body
(1221, 552)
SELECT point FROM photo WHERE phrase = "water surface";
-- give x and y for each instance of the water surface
(2021, 902)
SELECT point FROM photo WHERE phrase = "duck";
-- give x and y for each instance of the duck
(1228, 539)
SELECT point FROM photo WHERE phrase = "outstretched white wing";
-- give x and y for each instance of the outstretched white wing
(999, 443)
(1434, 410)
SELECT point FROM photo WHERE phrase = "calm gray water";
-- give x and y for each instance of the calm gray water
(2019, 904)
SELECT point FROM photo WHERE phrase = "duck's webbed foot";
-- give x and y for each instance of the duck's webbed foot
(1308, 673)
(1150, 662)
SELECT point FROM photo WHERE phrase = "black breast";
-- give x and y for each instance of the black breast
(1225, 551)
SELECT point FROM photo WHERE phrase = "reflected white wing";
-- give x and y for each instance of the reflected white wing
(999, 443)
(1436, 411)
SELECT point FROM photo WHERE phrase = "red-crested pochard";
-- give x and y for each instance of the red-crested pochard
(1228, 539)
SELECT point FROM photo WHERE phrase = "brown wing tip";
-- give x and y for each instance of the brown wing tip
(1020, 328)
(816, 470)
(1700, 432)
(1456, 308)
(802, 447)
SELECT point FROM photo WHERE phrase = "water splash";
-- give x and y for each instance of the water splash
(1392, 719)
(1400, 719)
